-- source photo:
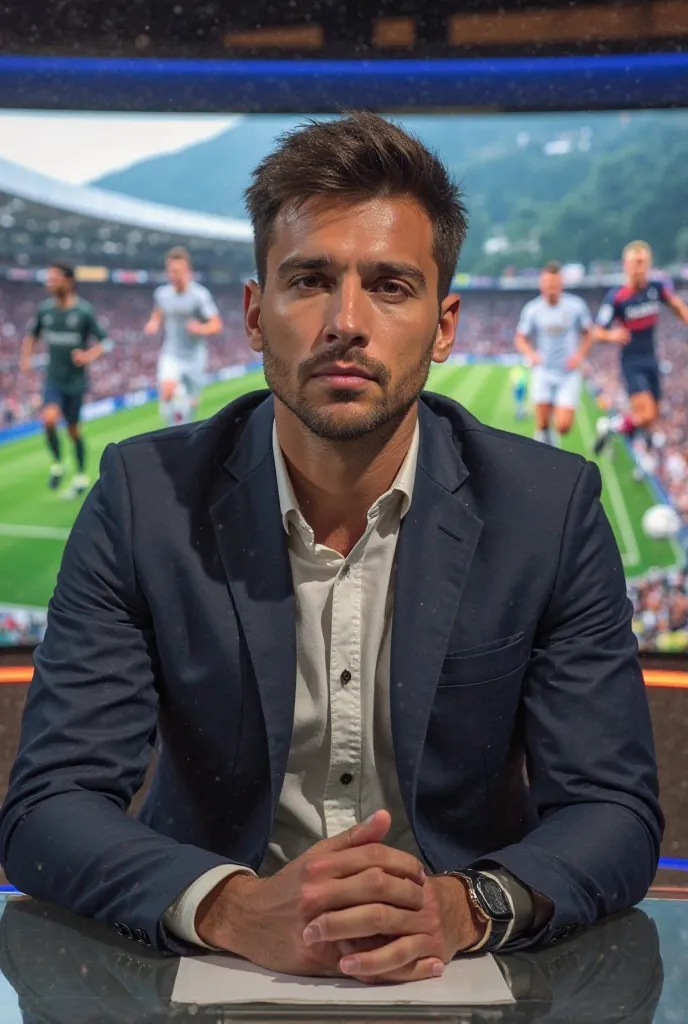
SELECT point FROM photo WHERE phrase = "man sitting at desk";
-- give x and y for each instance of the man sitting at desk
(384, 652)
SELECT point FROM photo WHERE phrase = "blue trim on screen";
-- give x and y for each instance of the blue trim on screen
(673, 864)
(511, 83)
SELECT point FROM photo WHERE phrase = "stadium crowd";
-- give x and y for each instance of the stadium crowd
(486, 330)
(660, 602)
(21, 627)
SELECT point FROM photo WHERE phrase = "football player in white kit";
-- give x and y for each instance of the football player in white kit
(188, 314)
(554, 334)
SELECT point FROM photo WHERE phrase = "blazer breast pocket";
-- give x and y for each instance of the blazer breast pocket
(490, 662)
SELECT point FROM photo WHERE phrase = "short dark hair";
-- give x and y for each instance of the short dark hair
(178, 252)
(66, 269)
(359, 155)
(552, 267)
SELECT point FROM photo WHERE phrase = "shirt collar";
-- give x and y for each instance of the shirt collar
(403, 482)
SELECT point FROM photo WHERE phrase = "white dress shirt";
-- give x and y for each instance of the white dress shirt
(341, 765)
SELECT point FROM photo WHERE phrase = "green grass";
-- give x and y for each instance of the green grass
(34, 521)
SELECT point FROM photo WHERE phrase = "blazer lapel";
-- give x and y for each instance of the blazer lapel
(437, 542)
(253, 547)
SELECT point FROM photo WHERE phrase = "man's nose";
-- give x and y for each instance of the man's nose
(348, 314)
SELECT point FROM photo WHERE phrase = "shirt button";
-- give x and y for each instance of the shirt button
(345, 677)
(346, 779)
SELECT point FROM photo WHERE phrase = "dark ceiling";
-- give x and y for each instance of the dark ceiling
(357, 28)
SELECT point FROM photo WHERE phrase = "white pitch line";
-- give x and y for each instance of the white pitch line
(33, 532)
(631, 556)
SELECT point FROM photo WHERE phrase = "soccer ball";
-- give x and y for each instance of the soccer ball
(661, 522)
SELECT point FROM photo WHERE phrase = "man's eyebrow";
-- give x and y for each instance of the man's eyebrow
(385, 268)
(394, 269)
(310, 263)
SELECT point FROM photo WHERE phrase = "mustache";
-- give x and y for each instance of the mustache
(349, 356)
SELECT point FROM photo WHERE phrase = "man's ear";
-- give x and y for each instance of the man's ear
(253, 297)
(446, 328)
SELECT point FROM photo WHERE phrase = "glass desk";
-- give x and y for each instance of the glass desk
(61, 969)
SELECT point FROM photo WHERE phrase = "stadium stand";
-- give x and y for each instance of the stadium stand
(42, 219)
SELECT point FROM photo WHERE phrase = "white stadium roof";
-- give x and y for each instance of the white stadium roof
(101, 204)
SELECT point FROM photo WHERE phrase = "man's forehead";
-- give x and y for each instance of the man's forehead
(381, 228)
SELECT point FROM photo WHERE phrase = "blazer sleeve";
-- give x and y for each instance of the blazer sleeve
(86, 740)
(589, 748)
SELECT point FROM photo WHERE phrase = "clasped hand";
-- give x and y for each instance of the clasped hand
(349, 906)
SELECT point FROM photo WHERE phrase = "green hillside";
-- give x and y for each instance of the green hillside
(34, 522)
(618, 176)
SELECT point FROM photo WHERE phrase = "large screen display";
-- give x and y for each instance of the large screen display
(108, 195)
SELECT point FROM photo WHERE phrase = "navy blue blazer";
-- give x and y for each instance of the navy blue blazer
(518, 710)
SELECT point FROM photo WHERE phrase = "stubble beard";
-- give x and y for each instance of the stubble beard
(383, 415)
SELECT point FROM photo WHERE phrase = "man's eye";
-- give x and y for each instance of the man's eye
(392, 288)
(307, 281)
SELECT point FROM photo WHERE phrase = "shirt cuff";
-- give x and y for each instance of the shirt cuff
(180, 916)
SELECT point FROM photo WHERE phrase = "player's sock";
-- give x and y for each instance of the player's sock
(168, 412)
(80, 452)
(627, 428)
(53, 439)
(183, 408)
(555, 438)
(542, 435)
(601, 441)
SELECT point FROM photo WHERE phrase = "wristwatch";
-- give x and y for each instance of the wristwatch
(492, 904)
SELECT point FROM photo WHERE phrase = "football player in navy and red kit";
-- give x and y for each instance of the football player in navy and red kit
(628, 317)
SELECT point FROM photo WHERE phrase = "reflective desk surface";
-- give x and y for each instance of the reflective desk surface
(59, 968)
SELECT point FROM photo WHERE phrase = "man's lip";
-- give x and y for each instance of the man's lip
(343, 371)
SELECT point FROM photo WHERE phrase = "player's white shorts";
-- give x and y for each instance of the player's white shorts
(555, 387)
(190, 373)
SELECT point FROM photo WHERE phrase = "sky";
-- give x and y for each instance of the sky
(82, 147)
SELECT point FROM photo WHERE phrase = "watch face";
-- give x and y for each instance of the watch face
(494, 898)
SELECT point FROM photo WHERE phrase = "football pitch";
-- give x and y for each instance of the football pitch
(35, 522)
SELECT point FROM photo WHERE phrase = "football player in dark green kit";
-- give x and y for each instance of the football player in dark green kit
(65, 322)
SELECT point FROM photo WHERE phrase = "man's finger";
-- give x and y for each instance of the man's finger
(393, 957)
(349, 946)
(354, 861)
(373, 830)
(421, 970)
(369, 887)
(363, 922)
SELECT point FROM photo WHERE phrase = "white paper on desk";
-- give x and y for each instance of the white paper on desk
(226, 979)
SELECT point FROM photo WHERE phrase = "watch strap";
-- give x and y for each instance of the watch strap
(483, 941)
